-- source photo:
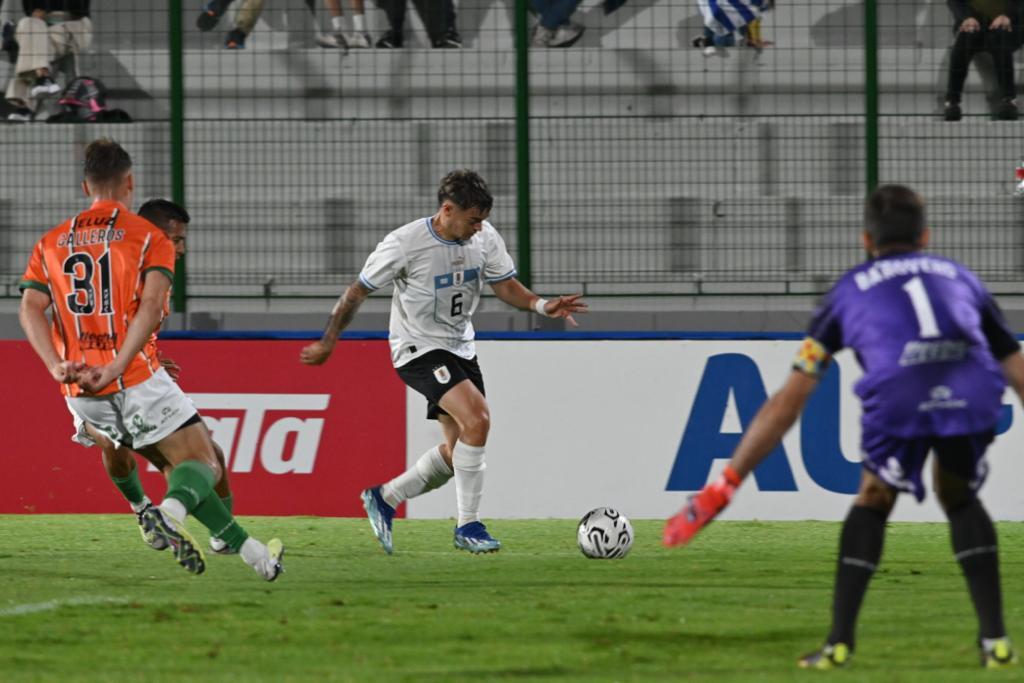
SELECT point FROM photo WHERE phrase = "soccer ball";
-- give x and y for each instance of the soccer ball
(604, 534)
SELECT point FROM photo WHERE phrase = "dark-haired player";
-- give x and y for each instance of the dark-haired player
(438, 266)
(937, 354)
(119, 461)
(106, 273)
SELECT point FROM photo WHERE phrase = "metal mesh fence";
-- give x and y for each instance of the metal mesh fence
(665, 157)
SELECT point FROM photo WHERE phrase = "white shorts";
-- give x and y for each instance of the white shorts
(136, 417)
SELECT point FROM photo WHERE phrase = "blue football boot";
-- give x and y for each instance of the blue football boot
(380, 515)
(474, 538)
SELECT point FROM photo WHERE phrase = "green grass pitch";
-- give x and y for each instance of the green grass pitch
(81, 598)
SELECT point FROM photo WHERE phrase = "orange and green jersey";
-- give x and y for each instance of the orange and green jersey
(92, 267)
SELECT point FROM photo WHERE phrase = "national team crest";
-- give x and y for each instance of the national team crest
(442, 375)
(458, 277)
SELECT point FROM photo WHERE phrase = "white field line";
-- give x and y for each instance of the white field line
(50, 605)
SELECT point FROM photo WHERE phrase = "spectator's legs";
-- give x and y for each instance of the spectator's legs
(248, 15)
(1000, 45)
(554, 13)
(432, 13)
(33, 36)
(964, 48)
(71, 37)
(395, 11)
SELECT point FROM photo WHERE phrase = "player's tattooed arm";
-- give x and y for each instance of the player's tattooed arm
(344, 310)
(32, 315)
(514, 293)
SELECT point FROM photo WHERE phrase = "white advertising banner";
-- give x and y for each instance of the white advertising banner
(640, 425)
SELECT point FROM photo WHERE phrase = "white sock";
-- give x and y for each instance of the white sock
(469, 480)
(252, 551)
(175, 508)
(139, 507)
(427, 474)
(338, 23)
(359, 23)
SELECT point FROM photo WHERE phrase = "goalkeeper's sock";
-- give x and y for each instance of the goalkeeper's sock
(860, 548)
(975, 545)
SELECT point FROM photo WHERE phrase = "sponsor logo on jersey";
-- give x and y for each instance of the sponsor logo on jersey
(941, 398)
(281, 432)
(442, 375)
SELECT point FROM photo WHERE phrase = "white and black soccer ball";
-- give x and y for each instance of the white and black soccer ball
(604, 534)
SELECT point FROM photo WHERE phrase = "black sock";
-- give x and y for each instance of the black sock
(974, 543)
(860, 548)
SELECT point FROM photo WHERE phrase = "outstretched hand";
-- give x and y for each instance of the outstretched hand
(565, 306)
(316, 353)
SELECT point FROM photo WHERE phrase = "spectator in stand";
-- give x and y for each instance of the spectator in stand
(358, 37)
(438, 17)
(724, 19)
(249, 13)
(992, 26)
(49, 31)
(554, 28)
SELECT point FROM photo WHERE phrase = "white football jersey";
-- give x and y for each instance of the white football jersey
(438, 284)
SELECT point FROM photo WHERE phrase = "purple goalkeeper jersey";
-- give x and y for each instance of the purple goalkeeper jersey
(929, 337)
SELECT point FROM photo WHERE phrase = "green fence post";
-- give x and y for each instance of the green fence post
(177, 139)
(524, 248)
(871, 94)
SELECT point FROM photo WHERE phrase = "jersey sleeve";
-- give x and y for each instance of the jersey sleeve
(35, 273)
(384, 264)
(824, 339)
(498, 265)
(996, 330)
(159, 256)
(994, 327)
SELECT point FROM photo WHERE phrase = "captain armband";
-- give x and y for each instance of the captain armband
(812, 359)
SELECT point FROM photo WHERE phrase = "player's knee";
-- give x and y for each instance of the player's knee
(952, 497)
(218, 454)
(118, 462)
(216, 467)
(877, 495)
(477, 425)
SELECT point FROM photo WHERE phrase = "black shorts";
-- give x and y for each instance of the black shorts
(434, 373)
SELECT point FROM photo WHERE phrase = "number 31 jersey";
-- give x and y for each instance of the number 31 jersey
(92, 268)
(929, 337)
(438, 284)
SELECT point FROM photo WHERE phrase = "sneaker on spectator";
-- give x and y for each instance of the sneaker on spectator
(334, 41)
(44, 86)
(359, 41)
(1007, 110)
(20, 115)
(451, 39)
(563, 36)
(7, 42)
(235, 40)
(390, 40)
(700, 42)
(952, 111)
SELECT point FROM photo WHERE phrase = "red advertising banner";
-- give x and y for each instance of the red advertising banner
(299, 440)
